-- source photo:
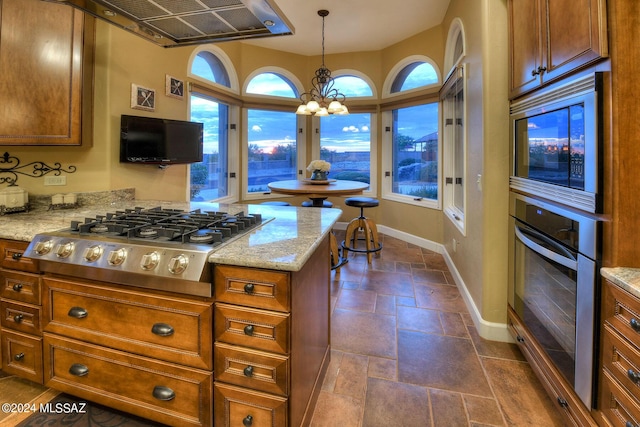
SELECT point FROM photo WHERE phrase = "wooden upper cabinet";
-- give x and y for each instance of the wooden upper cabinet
(45, 63)
(551, 38)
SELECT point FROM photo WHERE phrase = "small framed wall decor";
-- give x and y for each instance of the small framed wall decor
(174, 87)
(143, 98)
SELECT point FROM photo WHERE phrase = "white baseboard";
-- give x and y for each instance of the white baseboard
(488, 330)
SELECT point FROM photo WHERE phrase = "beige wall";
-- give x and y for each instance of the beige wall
(481, 253)
(122, 59)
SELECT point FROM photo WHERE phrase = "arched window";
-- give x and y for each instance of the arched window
(413, 73)
(353, 86)
(209, 67)
(272, 84)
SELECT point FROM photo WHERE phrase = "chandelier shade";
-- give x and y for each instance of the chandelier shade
(323, 98)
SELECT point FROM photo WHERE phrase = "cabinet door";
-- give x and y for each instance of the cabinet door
(576, 35)
(41, 64)
(525, 45)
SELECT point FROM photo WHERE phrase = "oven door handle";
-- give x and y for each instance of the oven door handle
(568, 261)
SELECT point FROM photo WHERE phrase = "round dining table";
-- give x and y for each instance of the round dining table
(317, 192)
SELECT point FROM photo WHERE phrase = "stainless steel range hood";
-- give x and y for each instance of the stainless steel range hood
(171, 23)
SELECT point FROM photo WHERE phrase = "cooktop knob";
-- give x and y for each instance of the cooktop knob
(63, 250)
(43, 247)
(150, 261)
(117, 256)
(178, 264)
(92, 253)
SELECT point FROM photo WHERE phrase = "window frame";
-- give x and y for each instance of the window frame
(387, 192)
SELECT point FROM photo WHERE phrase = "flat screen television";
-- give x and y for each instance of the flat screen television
(160, 141)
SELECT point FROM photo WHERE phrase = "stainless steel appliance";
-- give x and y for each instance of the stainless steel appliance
(189, 22)
(155, 248)
(556, 138)
(554, 285)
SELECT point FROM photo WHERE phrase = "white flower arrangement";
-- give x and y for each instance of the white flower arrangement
(319, 165)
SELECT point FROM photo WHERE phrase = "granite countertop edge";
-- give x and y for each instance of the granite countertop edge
(287, 238)
(626, 278)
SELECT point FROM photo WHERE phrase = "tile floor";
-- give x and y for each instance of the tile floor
(405, 353)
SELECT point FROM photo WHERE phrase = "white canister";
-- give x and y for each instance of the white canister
(14, 197)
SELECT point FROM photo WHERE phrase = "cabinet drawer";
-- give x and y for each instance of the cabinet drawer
(12, 257)
(22, 287)
(167, 328)
(260, 329)
(252, 369)
(252, 287)
(622, 360)
(156, 390)
(615, 403)
(22, 355)
(235, 406)
(20, 317)
(620, 311)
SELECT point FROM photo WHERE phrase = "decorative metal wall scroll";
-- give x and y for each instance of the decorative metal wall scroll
(10, 168)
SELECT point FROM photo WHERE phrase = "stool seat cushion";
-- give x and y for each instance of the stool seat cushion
(275, 203)
(361, 202)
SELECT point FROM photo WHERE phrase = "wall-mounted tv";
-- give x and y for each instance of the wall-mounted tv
(159, 141)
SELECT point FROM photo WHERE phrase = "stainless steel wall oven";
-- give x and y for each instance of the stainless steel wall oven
(556, 136)
(554, 286)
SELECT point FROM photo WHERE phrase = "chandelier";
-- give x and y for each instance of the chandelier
(322, 99)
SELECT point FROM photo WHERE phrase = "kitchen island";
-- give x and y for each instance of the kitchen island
(254, 353)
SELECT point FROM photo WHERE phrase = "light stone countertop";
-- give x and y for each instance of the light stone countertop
(285, 240)
(624, 277)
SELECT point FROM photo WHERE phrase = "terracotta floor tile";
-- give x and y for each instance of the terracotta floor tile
(448, 409)
(443, 362)
(354, 299)
(429, 276)
(388, 283)
(419, 319)
(383, 368)
(483, 410)
(335, 410)
(440, 297)
(363, 333)
(503, 350)
(390, 404)
(522, 399)
(453, 324)
(352, 375)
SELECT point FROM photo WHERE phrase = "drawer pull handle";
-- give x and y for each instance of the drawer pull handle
(519, 338)
(248, 371)
(247, 421)
(18, 318)
(162, 329)
(79, 370)
(249, 288)
(16, 256)
(562, 402)
(635, 324)
(18, 357)
(17, 287)
(630, 424)
(163, 393)
(77, 312)
(248, 330)
(633, 376)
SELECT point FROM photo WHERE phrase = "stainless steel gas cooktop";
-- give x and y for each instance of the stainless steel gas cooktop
(155, 248)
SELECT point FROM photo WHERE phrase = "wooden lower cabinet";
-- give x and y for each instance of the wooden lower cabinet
(619, 397)
(161, 391)
(21, 313)
(235, 406)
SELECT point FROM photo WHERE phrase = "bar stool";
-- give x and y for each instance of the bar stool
(364, 225)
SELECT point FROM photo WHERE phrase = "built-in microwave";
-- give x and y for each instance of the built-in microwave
(556, 142)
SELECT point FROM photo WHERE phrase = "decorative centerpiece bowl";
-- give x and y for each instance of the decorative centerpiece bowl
(319, 170)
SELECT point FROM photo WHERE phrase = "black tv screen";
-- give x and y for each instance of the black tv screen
(160, 141)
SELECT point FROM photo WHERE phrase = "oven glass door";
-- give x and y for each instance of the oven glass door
(546, 295)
